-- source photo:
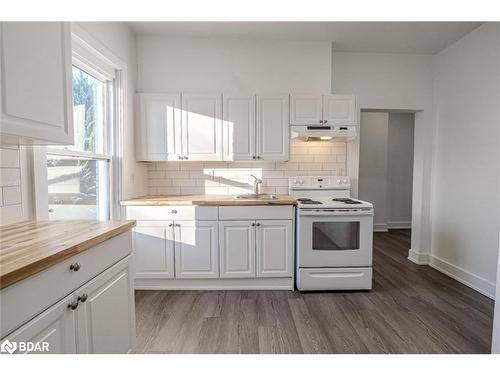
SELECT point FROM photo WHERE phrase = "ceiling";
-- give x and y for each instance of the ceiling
(383, 37)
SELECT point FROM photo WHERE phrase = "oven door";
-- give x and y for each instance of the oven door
(335, 238)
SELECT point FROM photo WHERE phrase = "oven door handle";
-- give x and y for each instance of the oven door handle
(335, 213)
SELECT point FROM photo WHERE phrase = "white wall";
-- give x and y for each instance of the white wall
(120, 40)
(495, 344)
(373, 164)
(403, 82)
(400, 142)
(197, 64)
(466, 178)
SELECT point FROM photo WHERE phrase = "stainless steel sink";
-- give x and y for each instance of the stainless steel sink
(256, 196)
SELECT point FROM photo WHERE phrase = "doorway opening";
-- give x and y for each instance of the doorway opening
(386, 156)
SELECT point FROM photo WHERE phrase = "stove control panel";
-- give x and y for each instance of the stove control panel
(319, 182)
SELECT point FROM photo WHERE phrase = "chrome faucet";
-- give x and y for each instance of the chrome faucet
(256, 184)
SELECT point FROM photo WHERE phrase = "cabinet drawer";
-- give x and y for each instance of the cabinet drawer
(27, 298)
(255, 212)
(172, 213)
(334, 278)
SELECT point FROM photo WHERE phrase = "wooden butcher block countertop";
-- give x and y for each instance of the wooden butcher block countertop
(29, 247)
(205, 200)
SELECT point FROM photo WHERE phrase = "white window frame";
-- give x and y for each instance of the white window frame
(95, 59)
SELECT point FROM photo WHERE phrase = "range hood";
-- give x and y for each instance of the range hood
(323, 132)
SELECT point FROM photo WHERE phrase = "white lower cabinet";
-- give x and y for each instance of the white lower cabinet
(225, 247)
(154, 251)
(105, 322)
(237, 248)
(55, 326)
(261, 248)
(196, 249)
(99, 317)
(274, 248)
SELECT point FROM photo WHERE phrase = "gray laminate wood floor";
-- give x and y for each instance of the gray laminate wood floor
(411, 309)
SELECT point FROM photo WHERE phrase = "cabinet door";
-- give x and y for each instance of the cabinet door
(239, 127)
(35, 93)
(196, 249)
(105, 315)
(339, 109)
(273, 131)
(55, 326)
(202, 126)
(306, 109)
(158, 127)
(237, 248)
(154, 252)
(274, 248)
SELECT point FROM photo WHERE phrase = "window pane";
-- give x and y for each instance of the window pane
(88, 112)
(78, 188)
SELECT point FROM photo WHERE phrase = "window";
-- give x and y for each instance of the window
(79, 175)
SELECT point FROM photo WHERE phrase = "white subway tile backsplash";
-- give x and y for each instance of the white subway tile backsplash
(10, 177)
(11, 195)
(221, 178)
(9, 158)
(11, 209)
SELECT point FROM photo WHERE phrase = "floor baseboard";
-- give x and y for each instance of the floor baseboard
(399, 225)
(473, 281)
(418, 257)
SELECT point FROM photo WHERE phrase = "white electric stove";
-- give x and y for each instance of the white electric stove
(334, 235)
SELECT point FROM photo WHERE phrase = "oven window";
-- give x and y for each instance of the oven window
(335, 236)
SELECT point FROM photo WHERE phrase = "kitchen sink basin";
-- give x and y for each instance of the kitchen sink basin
(256, 196)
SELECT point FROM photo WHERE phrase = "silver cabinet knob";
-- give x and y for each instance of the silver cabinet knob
(325, 121)
(320, 121)
(174, 211)
(180, 157)
(177, 225)
(75, 266)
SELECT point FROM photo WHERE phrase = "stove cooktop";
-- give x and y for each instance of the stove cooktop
(308, 201)
(346, 200)
(329, 202)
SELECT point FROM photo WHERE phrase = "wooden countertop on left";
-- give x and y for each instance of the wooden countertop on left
(29, 247)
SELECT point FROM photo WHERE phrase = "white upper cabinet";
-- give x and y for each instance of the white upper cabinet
(158, 127)
(273, 131)
(239, 127)
(196, 249)
(306, 109)
(339, 109)
(35, 83)
(202, 126)
(330, 109)
(237, 249)
(274, 248)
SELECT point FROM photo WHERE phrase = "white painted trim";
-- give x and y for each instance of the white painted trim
(399, 224)
(418, 257)
(470, 279)
(278, 283)
(382, 227)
